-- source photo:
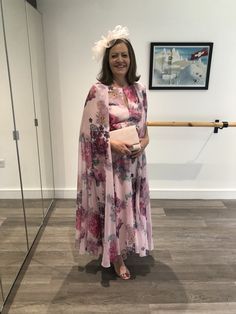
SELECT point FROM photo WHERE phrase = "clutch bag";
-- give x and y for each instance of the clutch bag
(128, 135)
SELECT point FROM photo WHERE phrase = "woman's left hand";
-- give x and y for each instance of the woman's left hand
(143, 143)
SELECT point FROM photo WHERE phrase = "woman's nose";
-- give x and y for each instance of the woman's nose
(120, 57)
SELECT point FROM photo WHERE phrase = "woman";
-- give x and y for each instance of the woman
(113, 208)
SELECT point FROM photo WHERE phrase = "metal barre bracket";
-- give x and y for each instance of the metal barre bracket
(225, 125)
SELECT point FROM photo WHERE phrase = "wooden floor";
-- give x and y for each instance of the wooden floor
(192, 269)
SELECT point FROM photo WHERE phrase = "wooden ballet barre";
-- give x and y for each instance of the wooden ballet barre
(216, 125)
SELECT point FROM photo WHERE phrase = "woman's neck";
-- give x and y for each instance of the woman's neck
(120, 82)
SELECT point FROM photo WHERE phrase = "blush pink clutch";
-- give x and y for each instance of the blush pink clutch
(128, 135)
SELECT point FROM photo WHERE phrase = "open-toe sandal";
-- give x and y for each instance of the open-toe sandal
(122, 272)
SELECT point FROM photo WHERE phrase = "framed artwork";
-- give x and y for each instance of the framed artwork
(180, 65)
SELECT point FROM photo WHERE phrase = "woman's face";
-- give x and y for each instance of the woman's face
(119, 60)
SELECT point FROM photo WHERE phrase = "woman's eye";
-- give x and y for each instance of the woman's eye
(116, 56)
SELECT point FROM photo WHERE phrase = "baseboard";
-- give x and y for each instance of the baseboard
(193, 193)
(154, 193)
(28, 193)
(169, 193)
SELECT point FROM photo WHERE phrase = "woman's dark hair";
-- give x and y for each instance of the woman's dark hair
(105, 76)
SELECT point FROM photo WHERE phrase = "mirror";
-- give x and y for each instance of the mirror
(26, 168)
(36, 44)
(16, 31)
(13, 241)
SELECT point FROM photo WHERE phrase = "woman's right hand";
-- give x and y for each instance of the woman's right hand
(120, 147)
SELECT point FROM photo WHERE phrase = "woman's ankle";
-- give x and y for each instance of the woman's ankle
(119, 260)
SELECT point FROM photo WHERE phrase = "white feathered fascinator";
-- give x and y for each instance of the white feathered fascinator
(101, 45)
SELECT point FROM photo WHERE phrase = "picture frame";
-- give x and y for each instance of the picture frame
(175, 65)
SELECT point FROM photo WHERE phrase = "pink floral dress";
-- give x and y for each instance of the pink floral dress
(113, 207)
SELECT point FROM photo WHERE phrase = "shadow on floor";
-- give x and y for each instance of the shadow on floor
(137, 266)
(151, 282)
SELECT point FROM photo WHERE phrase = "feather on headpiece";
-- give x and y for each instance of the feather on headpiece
(104, 43)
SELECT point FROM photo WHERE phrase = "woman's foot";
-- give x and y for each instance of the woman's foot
(120, 269)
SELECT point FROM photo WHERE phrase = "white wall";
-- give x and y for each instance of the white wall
(183, 162)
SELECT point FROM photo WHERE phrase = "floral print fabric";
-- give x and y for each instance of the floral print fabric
(113, 207)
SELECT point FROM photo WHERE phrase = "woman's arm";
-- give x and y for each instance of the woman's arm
(144, 141)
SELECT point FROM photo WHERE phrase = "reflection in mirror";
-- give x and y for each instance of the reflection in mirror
(13, 246)
(13, 241)
(36, 45)
(15, 22)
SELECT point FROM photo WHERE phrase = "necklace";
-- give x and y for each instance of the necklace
(125, 99)
(118, 91)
